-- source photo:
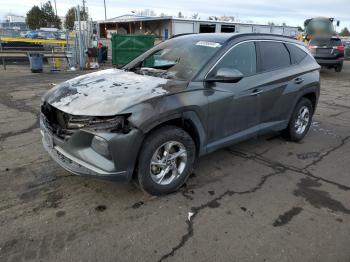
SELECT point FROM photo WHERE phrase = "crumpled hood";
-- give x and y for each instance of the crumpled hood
(106, 92)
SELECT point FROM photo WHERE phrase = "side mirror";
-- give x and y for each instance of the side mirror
(225, 74)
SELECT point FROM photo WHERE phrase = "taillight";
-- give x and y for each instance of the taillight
(340, 48)
(312, 46)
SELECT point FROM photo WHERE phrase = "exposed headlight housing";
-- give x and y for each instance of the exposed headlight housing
(100, 146)
(100, 123)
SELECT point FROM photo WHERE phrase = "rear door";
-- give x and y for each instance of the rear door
(278, 82)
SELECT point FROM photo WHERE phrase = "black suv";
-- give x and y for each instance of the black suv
(184, 98)
(328, 52)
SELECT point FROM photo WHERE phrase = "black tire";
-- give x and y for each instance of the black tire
(152, 142)
(290, 133)
(338, 68)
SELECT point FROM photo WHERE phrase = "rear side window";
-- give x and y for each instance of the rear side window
(273, 55)
(242, 57)
(296, 53)
(336, 42)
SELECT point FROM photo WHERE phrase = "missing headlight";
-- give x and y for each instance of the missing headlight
(118, 124)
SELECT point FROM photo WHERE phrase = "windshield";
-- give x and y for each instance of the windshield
(178, 58)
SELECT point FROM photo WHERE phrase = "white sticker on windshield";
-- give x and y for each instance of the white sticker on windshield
(208, 44)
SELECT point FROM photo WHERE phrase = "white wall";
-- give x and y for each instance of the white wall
(290, 31)
(244, 29)
(277, 30)
(262, 29)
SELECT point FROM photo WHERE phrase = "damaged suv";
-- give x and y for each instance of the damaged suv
(184, 98)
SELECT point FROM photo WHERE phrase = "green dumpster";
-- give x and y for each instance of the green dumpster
(127, 47)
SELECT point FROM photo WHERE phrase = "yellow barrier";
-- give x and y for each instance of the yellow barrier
(35, 41)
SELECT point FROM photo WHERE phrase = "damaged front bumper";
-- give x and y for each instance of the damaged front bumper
(76, 155)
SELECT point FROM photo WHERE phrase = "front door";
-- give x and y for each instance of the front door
(234, 107)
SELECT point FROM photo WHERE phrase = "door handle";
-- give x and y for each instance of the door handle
(256, 92)
(298, 80)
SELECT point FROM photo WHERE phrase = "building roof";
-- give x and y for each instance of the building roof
(134, 18)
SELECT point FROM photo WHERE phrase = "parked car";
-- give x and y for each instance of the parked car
(23, 34)
(180, 100)
(32, 34)
(328, 52)
(346, 43)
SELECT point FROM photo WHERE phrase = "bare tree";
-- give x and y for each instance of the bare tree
(195, 16)
(147, 12)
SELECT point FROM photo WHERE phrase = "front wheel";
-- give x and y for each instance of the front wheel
(300, 121)
(166, 160)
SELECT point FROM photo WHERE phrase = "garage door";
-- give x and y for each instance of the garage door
(183, 28)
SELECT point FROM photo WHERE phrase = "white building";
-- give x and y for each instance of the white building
(167, 26)
(15, 19)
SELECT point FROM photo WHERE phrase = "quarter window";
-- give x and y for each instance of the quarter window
(273, 55)
(242, 57)
(296, 54)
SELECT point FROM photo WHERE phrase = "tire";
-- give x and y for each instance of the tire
(338, 68)
(150, 177)
(292, 133)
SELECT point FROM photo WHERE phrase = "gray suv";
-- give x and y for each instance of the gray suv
(182, 99)
(328, 52)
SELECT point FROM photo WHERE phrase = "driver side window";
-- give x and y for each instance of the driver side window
(242, 57)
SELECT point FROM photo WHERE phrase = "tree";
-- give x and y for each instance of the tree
(270, 23)
(195, 16)
(147, 12)
(35, 18)
(180, 15)
(344, 32)
(49, 15)
(70, 18)
(43, 16)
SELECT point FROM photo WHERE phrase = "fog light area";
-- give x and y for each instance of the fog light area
(100, 145)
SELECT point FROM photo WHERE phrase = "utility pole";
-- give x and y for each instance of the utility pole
(81, 51)
(84, 10)
(104, 2)
(55, 6)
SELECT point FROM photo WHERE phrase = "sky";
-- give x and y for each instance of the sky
(292, 12)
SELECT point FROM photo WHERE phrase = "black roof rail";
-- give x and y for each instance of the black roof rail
(174, 36)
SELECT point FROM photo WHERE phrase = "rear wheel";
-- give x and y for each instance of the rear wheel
(300, 121)
(338, 68)
(166, 160)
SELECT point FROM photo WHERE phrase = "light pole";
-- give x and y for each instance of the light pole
(104, 2)
(55, 6)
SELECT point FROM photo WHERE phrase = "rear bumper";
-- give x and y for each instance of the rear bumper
(321, 61)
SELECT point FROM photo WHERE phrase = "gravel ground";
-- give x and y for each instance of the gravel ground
(261, 200)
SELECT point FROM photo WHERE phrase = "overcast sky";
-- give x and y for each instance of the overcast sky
(293, 12)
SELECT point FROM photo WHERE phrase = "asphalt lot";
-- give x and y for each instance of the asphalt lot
(261, 200)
